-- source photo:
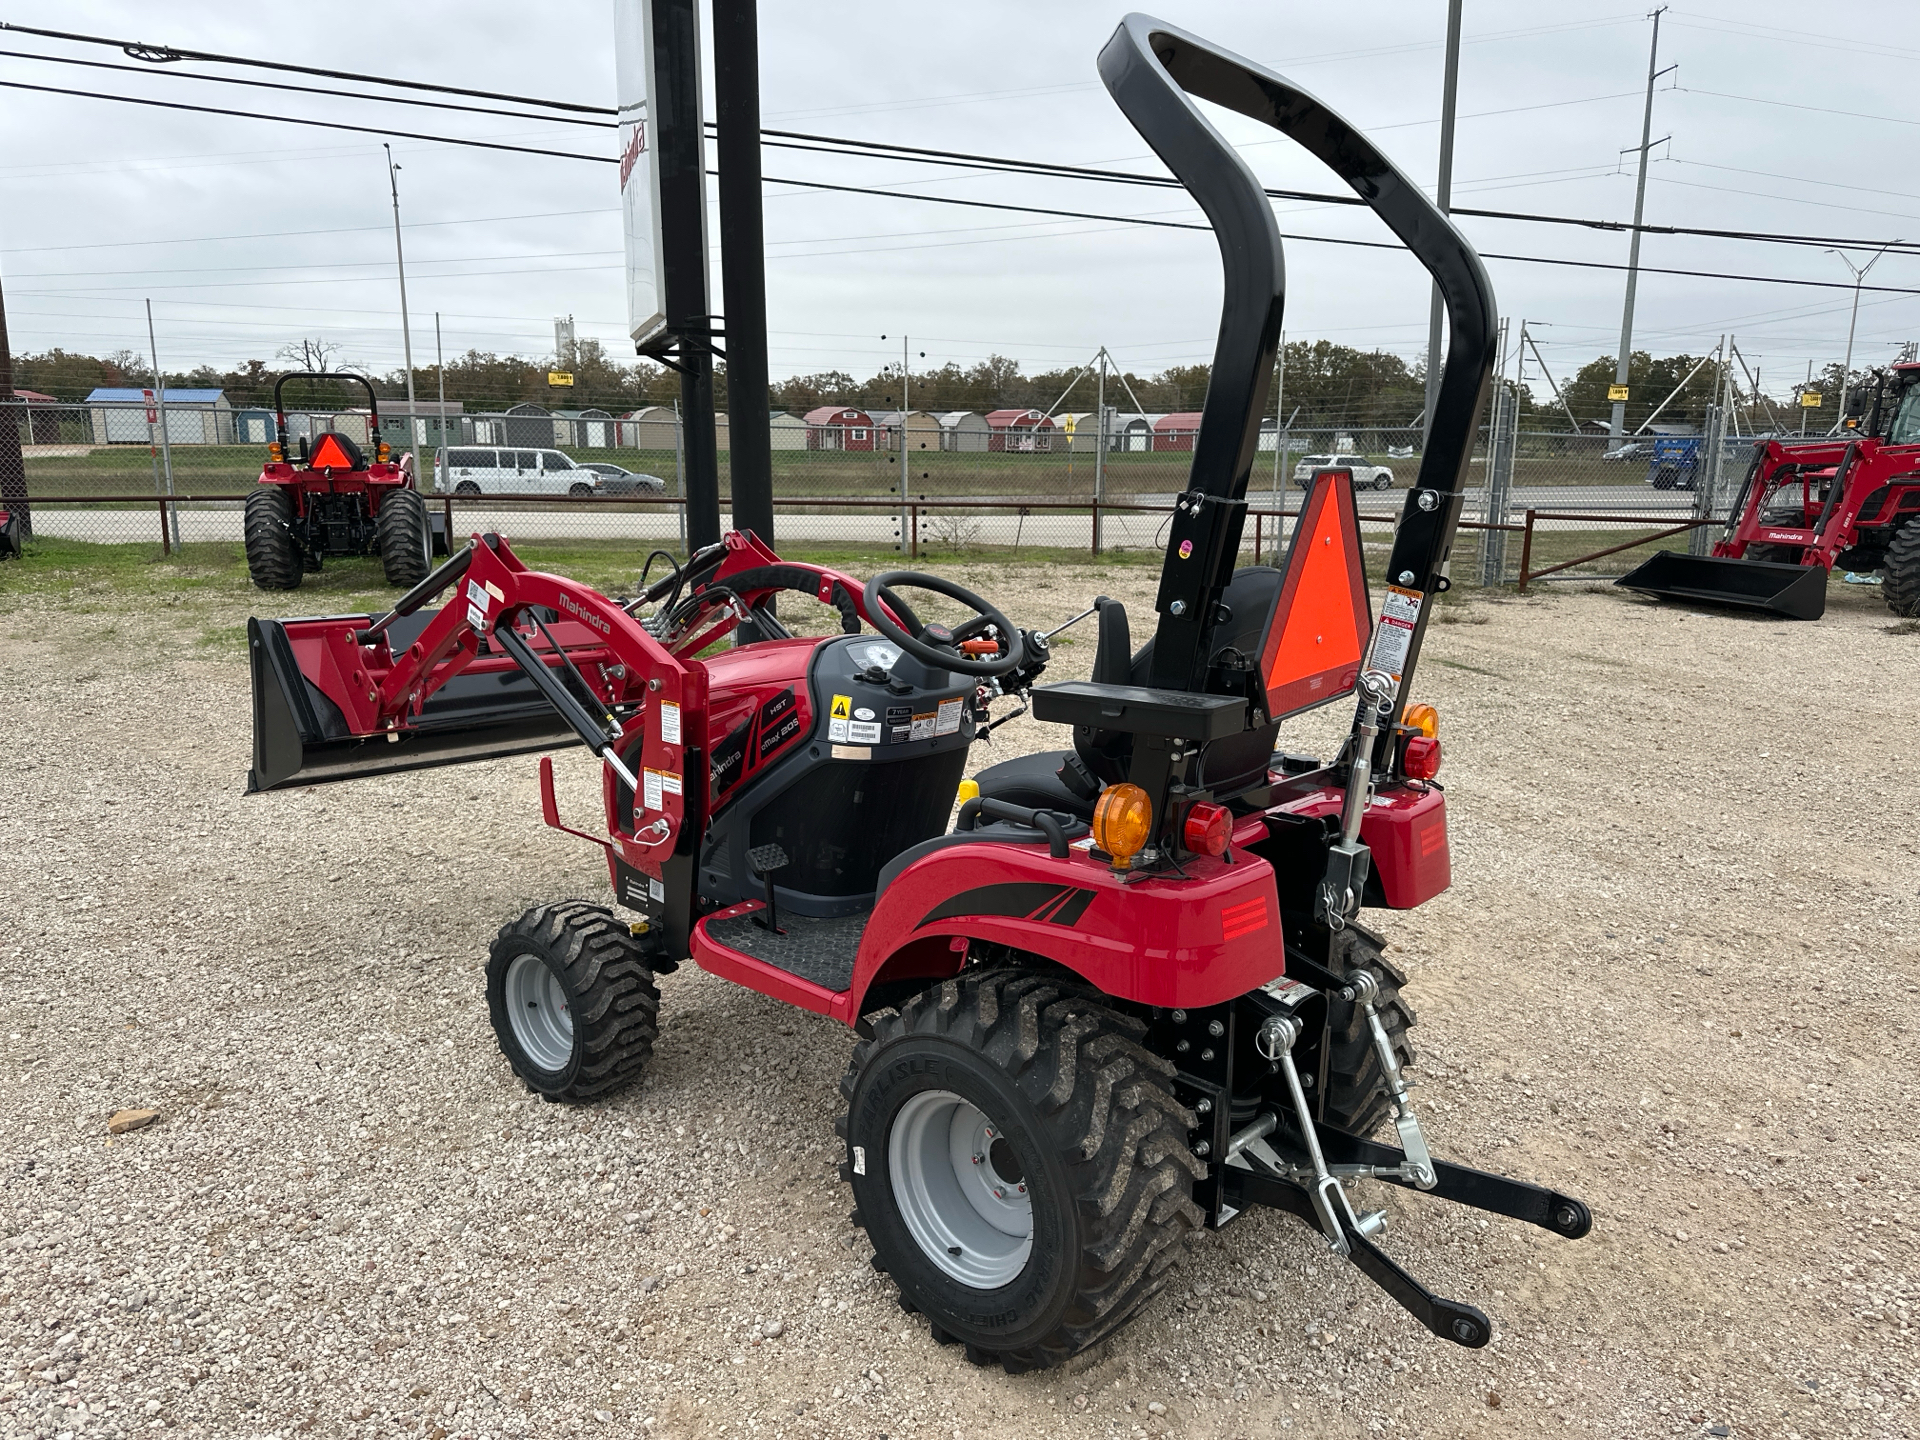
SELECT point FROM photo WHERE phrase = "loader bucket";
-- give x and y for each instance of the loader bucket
(300, 736)
(1797, 591)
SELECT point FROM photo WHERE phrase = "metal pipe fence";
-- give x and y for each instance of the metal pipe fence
(93, 475)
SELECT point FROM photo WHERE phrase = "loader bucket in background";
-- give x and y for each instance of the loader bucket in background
(1797, 591)
(300, 736)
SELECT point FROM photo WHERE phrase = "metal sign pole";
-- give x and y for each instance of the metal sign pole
(166, 452)
(400, 260)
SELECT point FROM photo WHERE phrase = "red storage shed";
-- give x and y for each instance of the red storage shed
(1022, 431)
(839, 427)
(1176, 431)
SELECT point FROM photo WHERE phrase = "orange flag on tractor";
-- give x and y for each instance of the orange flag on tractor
(1322, 618)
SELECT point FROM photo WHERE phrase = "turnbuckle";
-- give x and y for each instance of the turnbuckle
(1363, 989)
(1275, 1040)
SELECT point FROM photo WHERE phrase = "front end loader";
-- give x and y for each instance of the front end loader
(1851, 500)
(1133, 989)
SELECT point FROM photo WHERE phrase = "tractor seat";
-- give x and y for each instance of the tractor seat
(1235, 763)
(1033, 781)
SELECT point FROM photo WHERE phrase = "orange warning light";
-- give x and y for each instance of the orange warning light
(330, 454)
(1317, 634)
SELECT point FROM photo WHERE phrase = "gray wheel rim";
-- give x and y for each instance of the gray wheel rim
(969, 1218)
(538, 1012)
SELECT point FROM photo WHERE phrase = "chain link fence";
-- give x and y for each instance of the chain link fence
(1539, 504)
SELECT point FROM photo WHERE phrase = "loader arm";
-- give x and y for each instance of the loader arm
(1155, 72)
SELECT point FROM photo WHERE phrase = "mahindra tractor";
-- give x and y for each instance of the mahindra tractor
(1851, 500)
(331, 498)
(1103, 995)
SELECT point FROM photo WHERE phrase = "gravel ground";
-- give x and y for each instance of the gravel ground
(1675, 976)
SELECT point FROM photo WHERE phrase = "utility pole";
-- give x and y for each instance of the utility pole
(13, 466)
(1443, 197)
(1846, 366)
(440, 371)
(1099, 446)
(1279, 428)
(400, 259)
(160, 398)
(1625, 359)
(906, 385)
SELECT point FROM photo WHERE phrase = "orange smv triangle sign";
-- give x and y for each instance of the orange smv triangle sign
(330, 454)
(1322, 619)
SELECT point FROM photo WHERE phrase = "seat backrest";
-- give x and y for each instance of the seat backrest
(1230, 765)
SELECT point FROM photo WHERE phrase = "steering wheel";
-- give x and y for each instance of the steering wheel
(935, 644)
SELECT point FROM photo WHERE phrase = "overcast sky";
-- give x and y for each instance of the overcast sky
(1786, 117)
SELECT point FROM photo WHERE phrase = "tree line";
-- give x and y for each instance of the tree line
(1319, 384)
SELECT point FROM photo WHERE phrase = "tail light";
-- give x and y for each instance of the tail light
(1422, 760)
(1207, 829)
(1423, 718)
(1122, 821)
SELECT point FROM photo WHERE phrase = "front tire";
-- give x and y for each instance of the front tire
(1383, 482)
(572, 1000)
(273, 560)
(1900, 571)
(404, 538)
(1020, 1164)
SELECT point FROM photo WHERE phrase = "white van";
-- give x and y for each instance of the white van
(486, 470)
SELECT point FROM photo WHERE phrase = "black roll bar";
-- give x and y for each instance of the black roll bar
(280, 410)
(1154, 72)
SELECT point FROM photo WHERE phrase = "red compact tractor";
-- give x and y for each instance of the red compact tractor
(1852, 500)
(1129, 991)
(332, 499)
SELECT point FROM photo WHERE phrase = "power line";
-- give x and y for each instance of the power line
(297, 89)
(806, 142)
(167, 54)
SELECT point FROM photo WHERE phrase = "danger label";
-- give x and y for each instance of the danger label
(1393, 640)
(842, 708)
(669, 723)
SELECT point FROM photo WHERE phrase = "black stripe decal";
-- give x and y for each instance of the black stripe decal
(1017, 898)
(1073, 909)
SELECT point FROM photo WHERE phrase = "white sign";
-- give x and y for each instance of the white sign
(633, 70)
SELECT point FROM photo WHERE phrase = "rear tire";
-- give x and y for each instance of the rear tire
(273, 560)
(999, 1080)
(404, 538)
(1356, 1086)
(466, 487)
(1900, 572)
(572, 1000)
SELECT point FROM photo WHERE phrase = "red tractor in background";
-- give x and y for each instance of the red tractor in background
(331, 499)
(1851, 500)
(1130, 992)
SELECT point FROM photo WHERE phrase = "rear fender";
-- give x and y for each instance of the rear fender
(1154, 940)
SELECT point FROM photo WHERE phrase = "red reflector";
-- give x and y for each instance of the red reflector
(1208, 828)
(1423, 758)
(330, 454)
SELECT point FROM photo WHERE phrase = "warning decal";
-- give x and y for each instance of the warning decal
(838, 716)
(1394, 639)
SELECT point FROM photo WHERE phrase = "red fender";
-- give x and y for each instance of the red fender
(1157, 940)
